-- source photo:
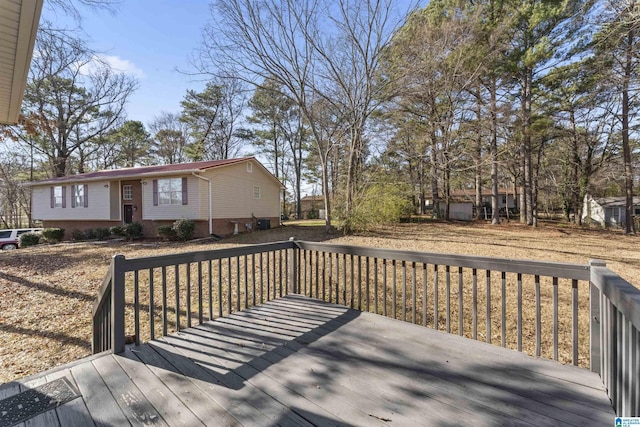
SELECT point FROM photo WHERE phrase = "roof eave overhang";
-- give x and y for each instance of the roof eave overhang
(30, 11)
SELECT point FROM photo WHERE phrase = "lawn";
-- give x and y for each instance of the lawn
(46, 292)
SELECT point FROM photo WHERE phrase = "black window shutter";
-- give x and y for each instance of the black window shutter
(185, 199)
(155, 192)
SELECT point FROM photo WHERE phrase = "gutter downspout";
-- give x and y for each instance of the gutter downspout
(210, 201)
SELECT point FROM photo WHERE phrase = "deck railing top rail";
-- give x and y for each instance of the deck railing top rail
(541, 268)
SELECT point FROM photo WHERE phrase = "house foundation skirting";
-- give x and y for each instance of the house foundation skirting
(221, 226)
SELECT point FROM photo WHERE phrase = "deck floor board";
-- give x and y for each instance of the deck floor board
(296, 361)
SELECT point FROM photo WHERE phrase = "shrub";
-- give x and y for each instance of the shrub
(167, 232)
(89, 234)
(379, 204)
(133, 231)
(53, 235)
(29, 239)
(77, 235)
(102, 233)
(117, 230)
(184, 229)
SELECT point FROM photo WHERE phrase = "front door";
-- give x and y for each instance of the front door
(128, 214)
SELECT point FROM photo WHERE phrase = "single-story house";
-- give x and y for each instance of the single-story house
(506, 198)
(607, 211)
(219, 195)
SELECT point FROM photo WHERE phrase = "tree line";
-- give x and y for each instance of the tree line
(369, 101)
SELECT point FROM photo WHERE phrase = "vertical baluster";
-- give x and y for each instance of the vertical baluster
(253, 279)
(164, 299)
(393, 288)
(413, 292)
(283, 254)
(337, 278)
(188, 296)
(324, 276)
(238, 291)
(368, 294)
(359, 283)
(210, 273)
(555, 318)
(261, 279)
(280, 275)
(474, 303)
(304, 271)
(384, 287)
(424, 294)
(330, 277)
(436, 319)
(375, 285)
(538, 317)
(136, 306)
(574, 317)
(351, 298)
(219, 287)
(268, 273)
(447, 282)
(503, 315)
(404, 291)
(229, 287)
(488, 313)
(151, 308)
(344, 278)
(635, 371)
(317, 278)
(200, 292)
(460, 304)
(519, 284)
(176, 272)
(246, 282)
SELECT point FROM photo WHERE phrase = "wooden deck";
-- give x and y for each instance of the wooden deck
(300, 362)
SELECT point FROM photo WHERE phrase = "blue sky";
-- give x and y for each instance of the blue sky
(149, 39)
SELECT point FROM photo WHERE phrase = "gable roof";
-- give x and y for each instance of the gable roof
(151, 171)
(611, 202)
(18, 28)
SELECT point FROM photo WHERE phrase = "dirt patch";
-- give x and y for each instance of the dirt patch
(47, 292)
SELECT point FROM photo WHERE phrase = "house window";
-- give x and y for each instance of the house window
(127, 192)
(170, 191)
(58, 196)
(256, 191)
(636, 211)
(249, 167)
(78, 196)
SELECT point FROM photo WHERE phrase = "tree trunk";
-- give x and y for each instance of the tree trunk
(626, 149)
(495, 209)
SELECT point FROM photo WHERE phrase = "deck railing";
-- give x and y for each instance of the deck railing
(574, 313)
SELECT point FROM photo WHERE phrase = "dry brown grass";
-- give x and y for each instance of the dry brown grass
(46, 292)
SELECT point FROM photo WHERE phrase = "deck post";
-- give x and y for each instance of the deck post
(594, 319)
(293, 267)
(117, 303)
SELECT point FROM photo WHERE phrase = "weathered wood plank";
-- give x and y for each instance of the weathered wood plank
(248, 404)
(134, 405)
(101, 405)
(171, 409)
(205, 409)
(46, 419)
(74, 413)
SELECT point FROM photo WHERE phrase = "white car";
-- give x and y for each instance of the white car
(9, 238)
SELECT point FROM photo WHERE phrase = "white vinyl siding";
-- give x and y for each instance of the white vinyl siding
(233, 193)
(98, 209)
(192, 210)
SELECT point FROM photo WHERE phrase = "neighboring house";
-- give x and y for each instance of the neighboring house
(607, 211)
(506, 198)
(216, 194)
(312, 207)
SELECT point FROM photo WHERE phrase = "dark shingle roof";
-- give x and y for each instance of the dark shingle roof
(144, 171)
